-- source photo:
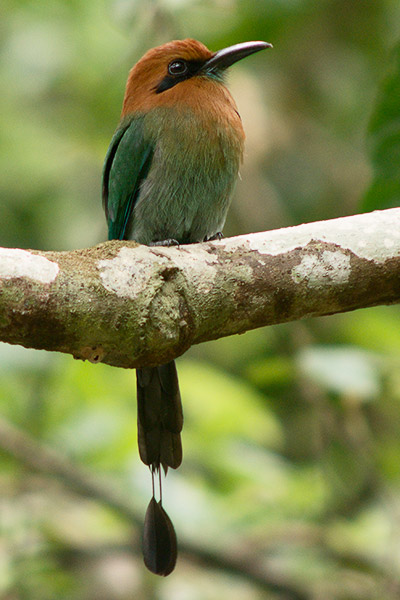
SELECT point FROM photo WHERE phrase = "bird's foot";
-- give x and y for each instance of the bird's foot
(217, 236)
(168, 243)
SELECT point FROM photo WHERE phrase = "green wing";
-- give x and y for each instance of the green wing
(126, 164)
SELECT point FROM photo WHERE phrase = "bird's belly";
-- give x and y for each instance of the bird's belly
(161, 216)
(188, 189)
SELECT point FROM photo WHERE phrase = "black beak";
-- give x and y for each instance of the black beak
(225, 58)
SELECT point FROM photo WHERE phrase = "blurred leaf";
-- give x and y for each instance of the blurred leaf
(366, 535)
(384, 138)
(222, 405)
(272, 370)
(343, 370)
(376, 329)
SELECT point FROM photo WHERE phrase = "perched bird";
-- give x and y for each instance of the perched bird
(168, 178)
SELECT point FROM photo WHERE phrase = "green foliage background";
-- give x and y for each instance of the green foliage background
(292, 433)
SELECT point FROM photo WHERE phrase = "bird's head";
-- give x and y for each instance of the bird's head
(160, 73)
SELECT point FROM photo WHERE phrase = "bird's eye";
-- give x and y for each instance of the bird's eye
(177, 67)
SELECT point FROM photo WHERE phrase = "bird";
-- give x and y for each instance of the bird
(168, 179)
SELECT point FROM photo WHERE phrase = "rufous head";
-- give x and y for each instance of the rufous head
(152, 80)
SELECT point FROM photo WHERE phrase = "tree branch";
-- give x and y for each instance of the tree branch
(128, 305)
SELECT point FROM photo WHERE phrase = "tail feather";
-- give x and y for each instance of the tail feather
(159, 540)
(160, 416)
(171, 405)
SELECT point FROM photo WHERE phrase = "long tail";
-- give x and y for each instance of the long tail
(160, 421)
(160, 416)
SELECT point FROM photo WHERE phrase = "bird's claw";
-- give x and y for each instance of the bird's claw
(217, 236)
